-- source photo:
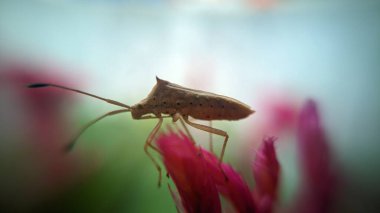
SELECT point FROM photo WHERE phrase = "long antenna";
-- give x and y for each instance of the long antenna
(70, 145)
(38, 85)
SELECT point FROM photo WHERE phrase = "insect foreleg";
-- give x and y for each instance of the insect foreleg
(148, 144)
(69, 146)
(153, 117)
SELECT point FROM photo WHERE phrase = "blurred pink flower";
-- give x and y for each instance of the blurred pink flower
(279, 114)
(198, 176)
(318, 177)
(188, 169)
(234, 187)
(38, 127)
(266, 172)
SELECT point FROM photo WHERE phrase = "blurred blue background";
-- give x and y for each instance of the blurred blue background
(253, 50)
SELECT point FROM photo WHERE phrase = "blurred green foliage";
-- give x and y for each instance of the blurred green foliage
(124, 181)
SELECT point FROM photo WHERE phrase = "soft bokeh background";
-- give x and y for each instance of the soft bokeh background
(270, 54)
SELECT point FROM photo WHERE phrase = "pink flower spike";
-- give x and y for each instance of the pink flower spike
(188, 169)
(234, 189)
(318, 180)
(266, 171)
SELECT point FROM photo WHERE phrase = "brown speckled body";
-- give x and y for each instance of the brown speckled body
(171, 100)
(168, 98)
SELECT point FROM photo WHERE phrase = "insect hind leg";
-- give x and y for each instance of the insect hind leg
(213, 131)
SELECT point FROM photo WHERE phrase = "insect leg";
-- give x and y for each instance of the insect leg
(179, 117)
(148, 144)
(70, 145)
(153, 117)
(213, 131)
(186, 129)
(175, 198)
(210, 139)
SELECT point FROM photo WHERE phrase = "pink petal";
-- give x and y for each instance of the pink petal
(266, 170)
(234, 188)
(189, 171)
(318, 182)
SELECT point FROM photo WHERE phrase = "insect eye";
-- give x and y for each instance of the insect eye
(139, 106)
